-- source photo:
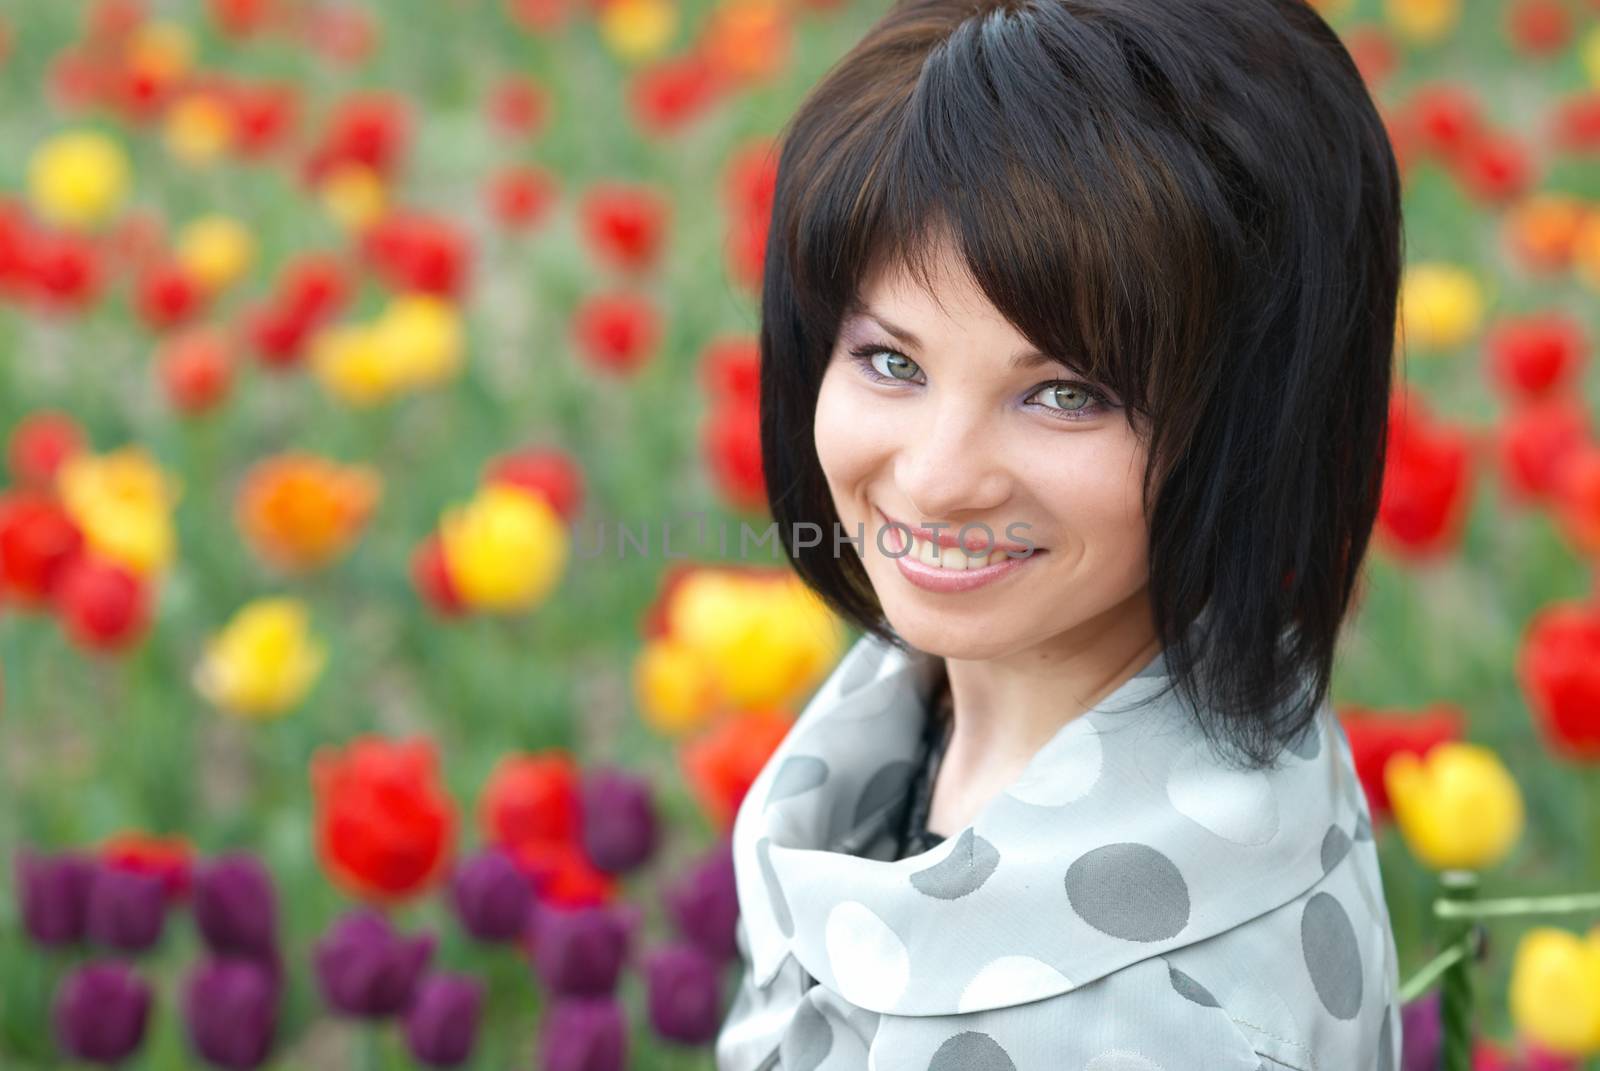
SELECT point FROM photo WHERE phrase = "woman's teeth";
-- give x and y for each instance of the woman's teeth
(952, 558)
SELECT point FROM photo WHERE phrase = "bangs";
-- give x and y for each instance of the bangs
(1092, 237)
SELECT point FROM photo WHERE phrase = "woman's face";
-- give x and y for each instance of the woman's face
(931, 413)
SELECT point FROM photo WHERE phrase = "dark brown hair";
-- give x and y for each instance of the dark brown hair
(1195, 204)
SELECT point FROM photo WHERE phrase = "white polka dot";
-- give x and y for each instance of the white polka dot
(1011, 980)
(1236, 805)
(1064, 771)
(1121, 1061)
(871, 966)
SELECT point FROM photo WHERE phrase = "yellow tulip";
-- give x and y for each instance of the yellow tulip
(764, 641)
(354, 196)
(123, 502)
(1441, 307)
(1590, 51)
(1456, 806)
(198, 129)
(264, 661)
(1555, 990)
(78, 179)
(674, 687)
(216, 250)
(419, 338)
(505, 549)
(1423, 22)
(350, 366)
(637, 30)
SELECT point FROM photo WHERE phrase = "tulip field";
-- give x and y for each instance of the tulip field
(341, 340)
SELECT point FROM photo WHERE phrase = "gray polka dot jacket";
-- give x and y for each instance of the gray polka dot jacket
(1128, 903)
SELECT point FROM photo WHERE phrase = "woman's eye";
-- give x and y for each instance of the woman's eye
(894, 366)
(1076, 401)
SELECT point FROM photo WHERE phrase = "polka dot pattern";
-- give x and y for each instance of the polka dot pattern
(1129, 891)
(1238, 806)
(1124, 841)
(962, 872)
(808, 1040)
(780, 902)
(870, 963)
(971, 1051)
(799, 773)
(1328, 942)
(1010, 979)
(1189, 989)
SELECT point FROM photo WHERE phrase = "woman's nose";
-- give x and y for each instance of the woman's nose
(953, 468)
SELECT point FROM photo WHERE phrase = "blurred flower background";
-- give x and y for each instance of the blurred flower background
(336, 336)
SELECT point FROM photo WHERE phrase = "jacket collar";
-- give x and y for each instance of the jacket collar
(1123, 838)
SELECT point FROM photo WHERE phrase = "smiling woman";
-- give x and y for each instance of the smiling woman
(1081, 313)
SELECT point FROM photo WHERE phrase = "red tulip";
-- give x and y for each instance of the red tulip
(562, 875)
(315, 287)
(531, 799)
(276, 335)
(385, 827)
(38, 541)
(1538, 27)
(520, 196)
(1535, 354)
(1536, 440)
(731, 370)
(617, 332)
(1494, 168)
(1577, 498)
(1576, 128)
(548, 473)
(751, 180)
(1378, 735)
(370, 129)
(1558, 667)
(431, 577)
(263, 115)
(1446, 119)
(722, 764)
(732, 443)
(241, 18)
(625, 225)
(345, 33)
(669, 94)
(40, 442)
(1426, 483)
(196, 369)
(170, 858)
(64, 271)
(101, 605)
(412, 251)
(167, 296)
(519, 106)
(75, 79)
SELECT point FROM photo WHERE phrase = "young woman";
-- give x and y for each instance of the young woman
(1078, 319)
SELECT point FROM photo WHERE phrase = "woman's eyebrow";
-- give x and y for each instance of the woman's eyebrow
(1024, 361)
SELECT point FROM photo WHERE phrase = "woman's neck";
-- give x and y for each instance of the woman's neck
(1006, 709)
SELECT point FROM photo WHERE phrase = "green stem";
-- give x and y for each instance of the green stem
(1566, 904)
(1429, 973)
(1456, 985)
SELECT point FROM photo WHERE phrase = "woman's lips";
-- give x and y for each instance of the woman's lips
(950, 581)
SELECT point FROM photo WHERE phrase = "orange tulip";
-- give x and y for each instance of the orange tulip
(300, 511)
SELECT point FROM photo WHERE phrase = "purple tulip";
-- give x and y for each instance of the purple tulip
(584, 1034)
(235, 906)
(1421, 1033)
(492, 896)
(100, 1012)
(685, 987)
(365, 968)
(579, 951)
(619, 819)
(53, 895)
(442, 1022)
(230, 1007)
(703, 903)
(127, 909)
